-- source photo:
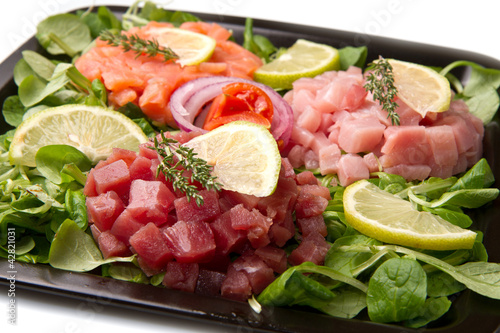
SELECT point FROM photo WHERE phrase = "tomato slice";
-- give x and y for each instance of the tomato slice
(240, 101)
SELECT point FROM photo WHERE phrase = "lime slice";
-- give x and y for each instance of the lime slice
(191, 47)
(244, 156)
(420, 87)
(388, 218)
(93, 130)
(302, 59)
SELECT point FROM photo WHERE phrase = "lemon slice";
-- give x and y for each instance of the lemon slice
(191, 47)
(244, 156)
(302, 59)
(388, 218)
(420, 87)
(93, 130)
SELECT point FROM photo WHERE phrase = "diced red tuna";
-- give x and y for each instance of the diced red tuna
(141, 169)
(191, 241)
(283, 199)
(296, 156)
(274, 257)
(181, 276)
(110, 246)
(259, 274)
(150, 201)
(89, 188)
(310, 225)
(188, 210)
(118, 154)
(253, 222)
(226, 237)
(352, 168)
(145, 150)
(209, 282)
(235, 198)
(313, 248)
(286, 170)
(309, 205)
(125, 226)
(360, 135)
(150, 244)
(104, 209)
(113, 177)
(282, 231)
(317, 189)
(236, 285)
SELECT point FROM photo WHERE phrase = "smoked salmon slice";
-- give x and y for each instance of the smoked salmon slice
(149, 82)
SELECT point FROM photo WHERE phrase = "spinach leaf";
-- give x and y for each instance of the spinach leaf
(468, 198)
(396, 291)
(63, 34)
(74, 250)
(51, 159)
(480, 92)
(257, 44)
(13, 110)
(432, 309)
(40, 65)
(346, 262)
(353, 56)
(21, 71)
(452, 214)
(478, 177)
(441, 284)
(126, 272)
(34, 89)
(76, 207)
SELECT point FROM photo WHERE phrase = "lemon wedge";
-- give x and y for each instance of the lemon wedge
(302, 59)
(191, 47)
(388, 218)
(93, 130)
(244, 156)
(420, 87)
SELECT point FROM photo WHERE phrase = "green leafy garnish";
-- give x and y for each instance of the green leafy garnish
(136, 44)
(380, 82)
(176, 160)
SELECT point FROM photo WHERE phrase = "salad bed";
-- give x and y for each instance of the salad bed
(491, 134)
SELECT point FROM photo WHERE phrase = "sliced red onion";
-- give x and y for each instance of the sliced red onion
(187, 102)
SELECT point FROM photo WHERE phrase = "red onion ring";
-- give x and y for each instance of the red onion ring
(188, 100)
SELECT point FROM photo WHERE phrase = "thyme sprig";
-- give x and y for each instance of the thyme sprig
(138, 45)
(380, 82)
(176, 159)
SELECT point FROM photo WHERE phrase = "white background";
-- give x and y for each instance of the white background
(467, 25)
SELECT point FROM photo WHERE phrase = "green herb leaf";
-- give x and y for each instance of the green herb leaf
(138, 45)
(74, 250)
(176, 160)
(63, 34)
(352, 56)
(396, 291)
(380, 82)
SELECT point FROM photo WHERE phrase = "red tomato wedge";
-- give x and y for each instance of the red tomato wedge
(240, 101)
